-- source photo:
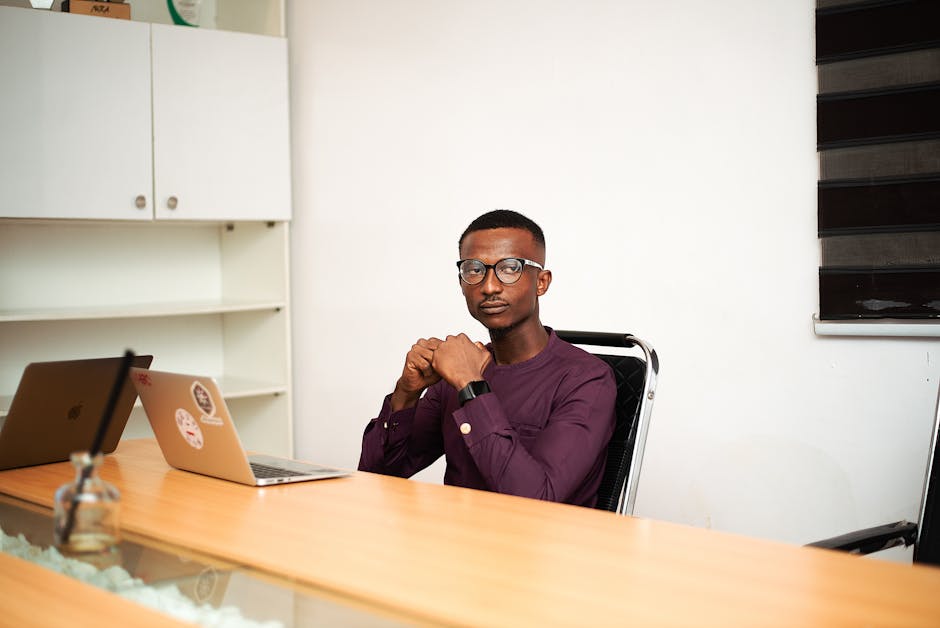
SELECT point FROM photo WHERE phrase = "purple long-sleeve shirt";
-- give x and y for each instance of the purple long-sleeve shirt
(542, 432)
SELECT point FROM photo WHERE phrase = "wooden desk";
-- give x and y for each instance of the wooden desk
(441, 555)
(76, 604)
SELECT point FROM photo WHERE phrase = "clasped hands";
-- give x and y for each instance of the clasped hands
(456, 359)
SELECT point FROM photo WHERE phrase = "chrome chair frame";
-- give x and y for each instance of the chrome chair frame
(626, 499)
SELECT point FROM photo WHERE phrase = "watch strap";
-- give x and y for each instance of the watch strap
(472, 391)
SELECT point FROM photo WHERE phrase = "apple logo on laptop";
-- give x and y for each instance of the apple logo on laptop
(75, 412)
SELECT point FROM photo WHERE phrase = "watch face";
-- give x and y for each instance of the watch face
(189, 428)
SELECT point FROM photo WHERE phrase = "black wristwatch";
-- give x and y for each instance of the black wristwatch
(472, 391)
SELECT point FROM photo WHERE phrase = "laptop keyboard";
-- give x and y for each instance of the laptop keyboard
(266, 471)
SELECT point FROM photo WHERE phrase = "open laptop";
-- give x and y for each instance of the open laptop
(196, 433)
(57, 410)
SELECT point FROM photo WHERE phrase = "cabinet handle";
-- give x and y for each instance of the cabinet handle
(172, 202)
(140, 201)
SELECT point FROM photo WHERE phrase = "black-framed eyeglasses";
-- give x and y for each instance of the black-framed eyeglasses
(508, 270)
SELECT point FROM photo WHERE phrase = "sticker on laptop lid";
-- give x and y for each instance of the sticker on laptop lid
(206, 403)
(202, 398)
(143, 378)
(189, 429)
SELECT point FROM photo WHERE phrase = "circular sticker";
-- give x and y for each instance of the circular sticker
(203, 399)
(189, 428)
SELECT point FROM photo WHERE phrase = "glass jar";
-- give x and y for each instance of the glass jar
(87, 513)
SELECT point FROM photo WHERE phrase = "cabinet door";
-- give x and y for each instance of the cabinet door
(74, 116)
(221, 125)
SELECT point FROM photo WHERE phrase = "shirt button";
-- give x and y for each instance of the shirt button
(465, 428)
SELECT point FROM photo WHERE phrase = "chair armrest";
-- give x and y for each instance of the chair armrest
(873, 539)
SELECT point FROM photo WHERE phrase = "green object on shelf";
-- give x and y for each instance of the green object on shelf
(191, 11)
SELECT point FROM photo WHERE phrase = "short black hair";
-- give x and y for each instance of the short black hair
(503, 219)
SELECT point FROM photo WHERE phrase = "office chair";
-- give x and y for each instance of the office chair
(636, 387)
(922, 535)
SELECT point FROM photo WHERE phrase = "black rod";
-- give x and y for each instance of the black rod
(106, 415)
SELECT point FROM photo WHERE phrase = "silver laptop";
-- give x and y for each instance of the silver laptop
(57, 410)
(196, 433)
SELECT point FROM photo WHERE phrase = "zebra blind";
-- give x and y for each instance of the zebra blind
(878, 141)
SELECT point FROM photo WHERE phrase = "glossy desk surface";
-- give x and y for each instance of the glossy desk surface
(426, 553)
(28, 590)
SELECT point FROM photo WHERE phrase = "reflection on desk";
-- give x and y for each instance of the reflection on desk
(203, 591)
(425, 553)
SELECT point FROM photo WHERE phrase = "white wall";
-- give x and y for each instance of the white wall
(670, 141)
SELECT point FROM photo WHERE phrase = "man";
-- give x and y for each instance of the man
(528, 414)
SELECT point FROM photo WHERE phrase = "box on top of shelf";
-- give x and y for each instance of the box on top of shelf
(116, 9)
(260, 17)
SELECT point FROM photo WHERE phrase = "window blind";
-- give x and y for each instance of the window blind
(878, 142)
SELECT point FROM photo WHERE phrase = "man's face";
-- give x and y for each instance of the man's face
(497, 305)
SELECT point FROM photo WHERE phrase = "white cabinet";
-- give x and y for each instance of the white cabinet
(221, 125)
(122, 120)
(75, 130)
(204, 287)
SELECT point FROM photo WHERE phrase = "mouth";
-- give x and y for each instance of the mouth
(493, 307)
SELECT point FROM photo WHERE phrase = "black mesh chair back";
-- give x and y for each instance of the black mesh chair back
(636, 384)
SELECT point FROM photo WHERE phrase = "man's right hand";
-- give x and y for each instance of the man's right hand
(417, 374)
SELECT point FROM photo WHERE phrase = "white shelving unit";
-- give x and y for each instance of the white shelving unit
(85, 271)
(204, 298)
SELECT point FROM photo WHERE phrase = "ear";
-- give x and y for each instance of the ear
(543, 282)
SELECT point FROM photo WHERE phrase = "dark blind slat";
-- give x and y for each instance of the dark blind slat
(878, 29)
(879, 293)
(905, 206)
(846, 4)
(907, 113)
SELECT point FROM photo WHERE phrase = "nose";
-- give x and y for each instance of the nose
(491, 283)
